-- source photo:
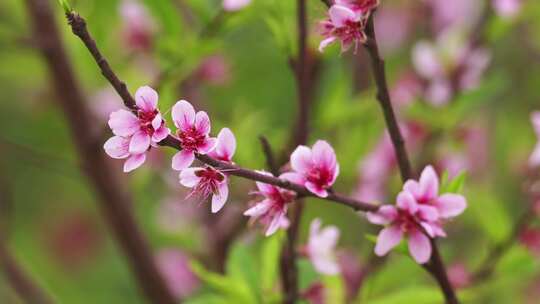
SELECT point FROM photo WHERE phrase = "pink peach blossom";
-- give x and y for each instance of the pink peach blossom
(360, 6)
(407, 219)
(235, 5)
(193, 133)
(534, 159)
(136, 133)
(272, 210)
(425, 191)
(321, 248)
(316, 169)
(459, 275)
(205, 182)
(344, 25)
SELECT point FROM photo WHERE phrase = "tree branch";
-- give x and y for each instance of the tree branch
(19, 280)
(435, 266)
(114, 202)
(269, 155)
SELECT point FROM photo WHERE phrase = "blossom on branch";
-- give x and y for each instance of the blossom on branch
(316, 169)
(418, 215)
(272, 210)
(208, 180)
(136, 132)
(534, 159)
(321, 248)
(235, 5)
(345, 25)
(193, 133)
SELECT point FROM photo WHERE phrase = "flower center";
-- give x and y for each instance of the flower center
(191, 139)
(319, 176)
(209, 182)
(145, 120)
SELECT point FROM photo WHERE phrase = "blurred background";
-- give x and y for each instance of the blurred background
(464, 80)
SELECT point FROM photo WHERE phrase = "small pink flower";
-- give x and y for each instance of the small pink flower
(225, 147)
(272, 210)
(406, 219)
(345, 25)
(205, 182)
(235, 5)
(530, 238)
(315, 293)
(173, 264)
(507, 8)
(316, 169)
(193, 130)
(426, 193)
(534, 159)
(321, 248)
(214, 70)
(136, 133)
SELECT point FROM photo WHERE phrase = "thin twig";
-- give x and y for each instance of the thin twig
(115, 203)
(19, 280)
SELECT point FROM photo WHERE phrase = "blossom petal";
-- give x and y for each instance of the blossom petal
(208, 145)
(339, 15)
(419, 247)
(202, 123)
(325, 43)
(325, 264)
(301, 159)
(293, 177)
(324, 156)
(134, 162)
(428, 213)
(388, 238)
(413, 187)
(123, 123)
(405, 201)
(183, 115)
(140, 142)
(534, 159)
(188, 178)
(384, 216)
(160, 134)
(535, 119)
(219, 199)
(277, 222)
(429, 183)
(156, 122)
(451, 205)
(259, 209)
(146, 98)
(182, 160)
(226, 145)
(316, 189)
(117, 147)
(425, 60)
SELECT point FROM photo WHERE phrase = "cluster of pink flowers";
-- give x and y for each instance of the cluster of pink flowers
(346, 23)
(135, 132)
(418, 215)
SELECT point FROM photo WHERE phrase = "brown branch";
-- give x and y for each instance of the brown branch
(19, 280)
(114, 202)
(269, 155)
(435, 266)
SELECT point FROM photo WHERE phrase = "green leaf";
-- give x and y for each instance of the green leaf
(456, 184)
(334, 289)
(269, 255)
(65, 5)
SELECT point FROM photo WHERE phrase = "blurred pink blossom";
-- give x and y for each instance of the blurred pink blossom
(104, 102)
(214, 70)
(530, 238)
(174, 266)
(136, 133)
(507, 8)
(392, 27)
(321, 248)
(459, 275)
(352, 272)
(193, 133)
(316, 169)
(272, 210)
(360, 6)
(455, 13)
(235, 5)
(315, 293)
(448, 64)
(138, 27)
